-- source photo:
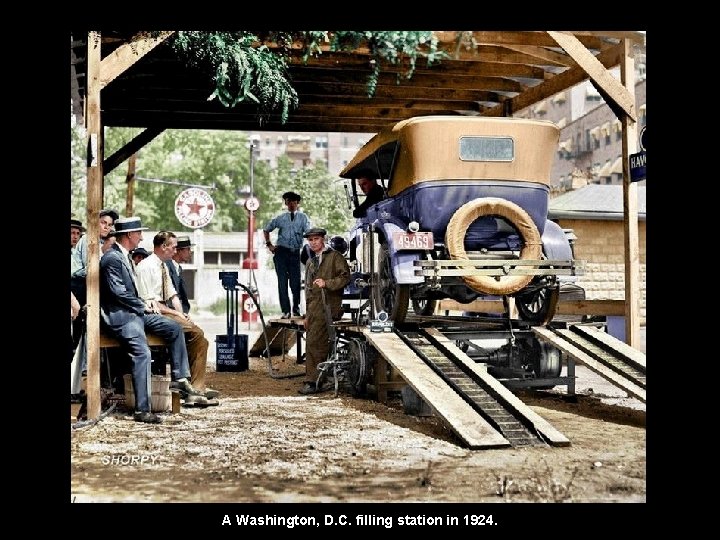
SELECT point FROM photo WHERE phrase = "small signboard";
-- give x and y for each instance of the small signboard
(637, 166)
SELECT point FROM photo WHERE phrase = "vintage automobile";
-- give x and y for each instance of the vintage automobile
(464, 216)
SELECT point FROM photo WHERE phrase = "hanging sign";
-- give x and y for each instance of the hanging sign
(194, 207)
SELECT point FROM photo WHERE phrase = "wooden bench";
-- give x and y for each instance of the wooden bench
(109, 341)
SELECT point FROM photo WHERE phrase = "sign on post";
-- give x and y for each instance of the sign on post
(637, 161)
(194, 207)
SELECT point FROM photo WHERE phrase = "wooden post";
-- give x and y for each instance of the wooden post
(130, 181)
(630, 208)
(94, 201)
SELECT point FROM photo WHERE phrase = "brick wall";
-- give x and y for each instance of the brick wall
(600, 244)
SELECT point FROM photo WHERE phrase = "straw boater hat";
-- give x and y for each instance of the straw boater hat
(128, 224)
(184, 242)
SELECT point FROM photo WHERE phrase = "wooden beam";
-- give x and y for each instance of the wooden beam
(567, 307)
(637, 38)
(340, 61)
(391, 80)
(597, 72)
(140, 140)
(130, 183)
(562, 81)
(544, 55)
(630, 208)
(118, 61)
(504, 38)
(94, 202)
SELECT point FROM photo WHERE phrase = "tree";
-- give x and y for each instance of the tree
(198, 157)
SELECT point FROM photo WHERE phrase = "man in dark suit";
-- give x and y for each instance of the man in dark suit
(124, 315)
(182, 256)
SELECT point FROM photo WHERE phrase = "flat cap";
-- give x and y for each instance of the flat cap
(315, 231)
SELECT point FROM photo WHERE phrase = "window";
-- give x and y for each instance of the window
(267, 141)
(222, 258)
(345, 141)
(280, 140)
(588, 140)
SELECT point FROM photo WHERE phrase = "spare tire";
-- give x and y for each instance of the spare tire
(517, 217)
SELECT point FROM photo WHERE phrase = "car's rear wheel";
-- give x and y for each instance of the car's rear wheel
(388, 295)
(539, 305)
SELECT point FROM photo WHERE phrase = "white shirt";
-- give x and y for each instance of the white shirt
(149, 273)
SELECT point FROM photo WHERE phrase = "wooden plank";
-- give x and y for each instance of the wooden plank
(597, 72)
(133, 146)
(118, 61)
(130, 186)
(109, 341)
(592, 364)
(551, 434)
(595, 333)
(94, 202)
(445, 403)
(567, 307)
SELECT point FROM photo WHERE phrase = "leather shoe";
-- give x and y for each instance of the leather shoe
(285, 316)
(308, 388)
(147, 417)
(210, 393)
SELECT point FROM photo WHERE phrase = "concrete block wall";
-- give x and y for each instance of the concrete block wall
(601, 244)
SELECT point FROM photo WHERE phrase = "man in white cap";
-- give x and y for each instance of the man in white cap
(326, 274)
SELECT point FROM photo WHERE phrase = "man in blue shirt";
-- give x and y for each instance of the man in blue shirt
(291, 226)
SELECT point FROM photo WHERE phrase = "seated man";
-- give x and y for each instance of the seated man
(123, 313)
(373, 192)
(158, 292)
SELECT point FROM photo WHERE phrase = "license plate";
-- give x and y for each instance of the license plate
(408, 240)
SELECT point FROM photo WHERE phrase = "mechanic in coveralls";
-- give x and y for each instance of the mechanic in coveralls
(326, 270)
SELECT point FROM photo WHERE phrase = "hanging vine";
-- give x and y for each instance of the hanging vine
(245, 69)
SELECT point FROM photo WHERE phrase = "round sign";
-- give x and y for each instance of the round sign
(249, 305)
(643, 140)
(252, 204)
(194, 207)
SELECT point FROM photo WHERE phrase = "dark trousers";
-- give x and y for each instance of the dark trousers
(287, 267)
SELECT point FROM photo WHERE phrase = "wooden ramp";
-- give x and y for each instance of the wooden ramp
(474, 430)
(280, 338)
(539, 424)
(603, 354)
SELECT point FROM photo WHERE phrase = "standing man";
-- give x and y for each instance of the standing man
(291, 225)
(126, 317)
(182, 255)
(326, 274)
(156, 289)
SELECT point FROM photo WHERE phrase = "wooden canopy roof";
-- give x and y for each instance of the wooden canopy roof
(501, 73)
(136, 80)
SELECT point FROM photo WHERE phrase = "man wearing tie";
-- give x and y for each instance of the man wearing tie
(291, 225)
(127, 317)
(157, 290)
(182, 255)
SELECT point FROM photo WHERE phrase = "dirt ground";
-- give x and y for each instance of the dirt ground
(267, 443)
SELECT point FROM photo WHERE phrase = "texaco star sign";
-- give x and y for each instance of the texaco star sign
(194, 208)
